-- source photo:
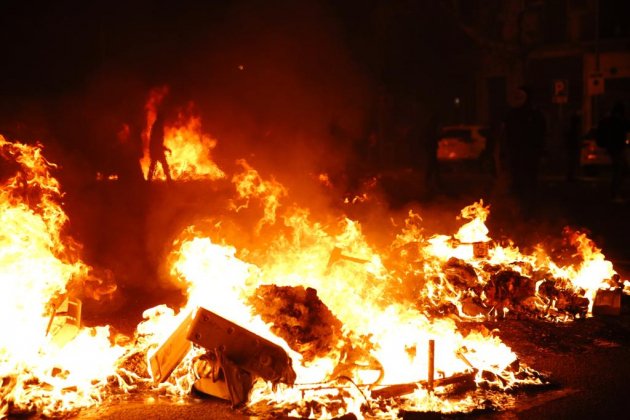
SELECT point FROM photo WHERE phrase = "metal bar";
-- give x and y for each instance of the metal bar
(431, 365)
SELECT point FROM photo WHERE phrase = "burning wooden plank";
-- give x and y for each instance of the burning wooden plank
(431, 383)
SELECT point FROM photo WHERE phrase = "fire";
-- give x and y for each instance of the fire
(370, 329)
(387, 339)
(188, 148)
(384, 343)
(250, 185)
(475, 230)
(38, 266)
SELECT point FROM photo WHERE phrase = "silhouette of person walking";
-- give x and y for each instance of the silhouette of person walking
(611, 134)
(573, 141)
(157, 149)
(525, 129)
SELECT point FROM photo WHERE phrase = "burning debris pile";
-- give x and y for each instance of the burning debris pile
(299, 317)
(478, 278)
(312, 321)
(494, 291)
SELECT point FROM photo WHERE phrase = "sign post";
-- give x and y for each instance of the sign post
(595, 84)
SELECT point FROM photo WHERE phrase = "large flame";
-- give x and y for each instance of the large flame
(385, 304)
(37, 267)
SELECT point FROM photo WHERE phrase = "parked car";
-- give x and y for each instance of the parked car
(461, 142)
(593, 155)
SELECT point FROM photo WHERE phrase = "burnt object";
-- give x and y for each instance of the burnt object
(557, 293)
(607, 302)
(235, 357)
(299, 317)
(337, 255)
(460, 273)
(508, 290)
(222, 378)
(393, 391)
(171, 352)
(65, 320)
(242, 347)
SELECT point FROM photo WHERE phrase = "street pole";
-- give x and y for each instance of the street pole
(595, 102)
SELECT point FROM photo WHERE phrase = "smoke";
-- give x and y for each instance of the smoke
(271, 80)
(275, 82)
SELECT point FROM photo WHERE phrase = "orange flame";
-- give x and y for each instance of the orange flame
(188, 147)
(390, 300)
(36, 266)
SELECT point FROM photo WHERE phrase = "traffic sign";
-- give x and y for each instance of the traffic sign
(560, 91)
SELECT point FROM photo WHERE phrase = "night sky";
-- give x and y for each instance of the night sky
(73, 70)
(52, 47)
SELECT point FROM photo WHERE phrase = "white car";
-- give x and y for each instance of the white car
(461, 142)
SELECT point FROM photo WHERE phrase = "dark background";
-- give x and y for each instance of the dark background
(72, 70)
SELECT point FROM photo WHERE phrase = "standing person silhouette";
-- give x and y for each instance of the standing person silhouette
(525, 129)
(612, 133)
(157, 149)
(573, 140)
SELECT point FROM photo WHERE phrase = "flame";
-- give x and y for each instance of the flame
(188, 147)
(475, 230)
(250, 185)
(386, 302)
(389, 335)
(37, 266)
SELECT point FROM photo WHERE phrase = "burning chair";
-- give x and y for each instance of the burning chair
(234, 358)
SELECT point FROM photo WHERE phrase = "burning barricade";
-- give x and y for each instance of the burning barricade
(310, 320)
